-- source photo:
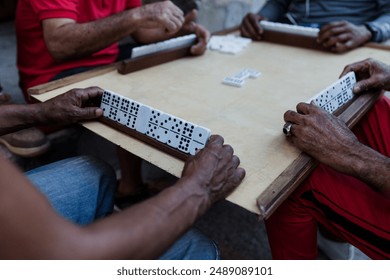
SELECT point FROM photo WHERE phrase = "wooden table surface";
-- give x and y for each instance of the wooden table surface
(250, 118)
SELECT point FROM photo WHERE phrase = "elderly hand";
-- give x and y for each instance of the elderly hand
(72, 106)
(161, 14)
(342, 36)
(250, 26)
(322, 135)
(371, 75)
(203, 35)
(214, 169)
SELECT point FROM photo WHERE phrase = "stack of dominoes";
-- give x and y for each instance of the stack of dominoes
(337, 94)
(167, 129)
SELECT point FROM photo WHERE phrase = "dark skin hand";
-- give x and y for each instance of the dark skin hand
(250, 26)
(72, 106)
(337, 37)
(342, 36)
(371, 75)
(327, 138)
(143, 231)
(67, 39)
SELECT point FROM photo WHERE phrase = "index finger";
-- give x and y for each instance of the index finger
(90, 92)
(215, 139)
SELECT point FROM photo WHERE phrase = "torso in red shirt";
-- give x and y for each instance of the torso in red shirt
(36, 65)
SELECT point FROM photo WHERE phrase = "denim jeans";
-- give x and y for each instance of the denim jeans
(82, 189)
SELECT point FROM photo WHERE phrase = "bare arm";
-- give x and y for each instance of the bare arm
(143, 231)
(330, 141)
(72, 106)
(68, 39)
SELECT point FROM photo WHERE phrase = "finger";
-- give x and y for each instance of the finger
(364, 85)
(329, 37)
(89, 113)
(292, 116)
(228, 150)
(90, 92)
(236, 161)
(304, 108)
(357, 67)
(239, 176)
(215, 140)
(191, 16)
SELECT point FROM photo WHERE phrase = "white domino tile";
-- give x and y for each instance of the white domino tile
(168, 129)
(289, 28)
(337, 94)
(180, 41)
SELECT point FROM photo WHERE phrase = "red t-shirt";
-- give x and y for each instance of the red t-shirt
(36, 65)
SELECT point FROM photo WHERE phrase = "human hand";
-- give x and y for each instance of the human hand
(203, 35)
(371, 75)
(342, 36)
(250, 26)
(161, 14)
(214, 169)
(322, 135)
(72, 106)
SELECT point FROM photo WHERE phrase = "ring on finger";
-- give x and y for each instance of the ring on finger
(287, 128)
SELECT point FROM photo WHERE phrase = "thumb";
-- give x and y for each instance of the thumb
(89, 113)
(191, 16)
(363, 85)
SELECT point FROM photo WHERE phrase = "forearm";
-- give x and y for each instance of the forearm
(371, 167)
(18, 116)
(72, 40)
(146, 230)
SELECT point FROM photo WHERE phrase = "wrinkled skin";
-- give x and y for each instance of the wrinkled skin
(343, 36)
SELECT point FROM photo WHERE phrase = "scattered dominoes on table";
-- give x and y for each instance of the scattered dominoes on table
(337, 94)
(230, 44)
(160, 126)
(180, 41)
(238, 79)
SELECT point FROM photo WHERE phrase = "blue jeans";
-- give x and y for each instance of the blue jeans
(82, 189)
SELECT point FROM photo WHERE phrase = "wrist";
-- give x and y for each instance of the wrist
(372, 31)
(195, 194)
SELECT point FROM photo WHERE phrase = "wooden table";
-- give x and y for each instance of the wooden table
(249, 118)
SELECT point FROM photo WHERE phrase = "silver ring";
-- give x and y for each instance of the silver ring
(287, 128)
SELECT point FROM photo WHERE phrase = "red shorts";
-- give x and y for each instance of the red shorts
(346, 207)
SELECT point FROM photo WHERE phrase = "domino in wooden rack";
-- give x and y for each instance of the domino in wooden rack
(181, 41)
(289, 28)
(337, 94)
(169, 133)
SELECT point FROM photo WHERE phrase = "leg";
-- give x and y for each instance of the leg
(81, 189)
(345, 206)
(192, 246)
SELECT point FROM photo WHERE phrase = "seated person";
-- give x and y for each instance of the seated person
(62, 210)
(348, 194)
(69, 37)
(73, 36)
(344, 25)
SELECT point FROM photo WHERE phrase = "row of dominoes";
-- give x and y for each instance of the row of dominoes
(180, 41)
(165, 128)
(238, 79)
(289, 28)
(337, 94)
